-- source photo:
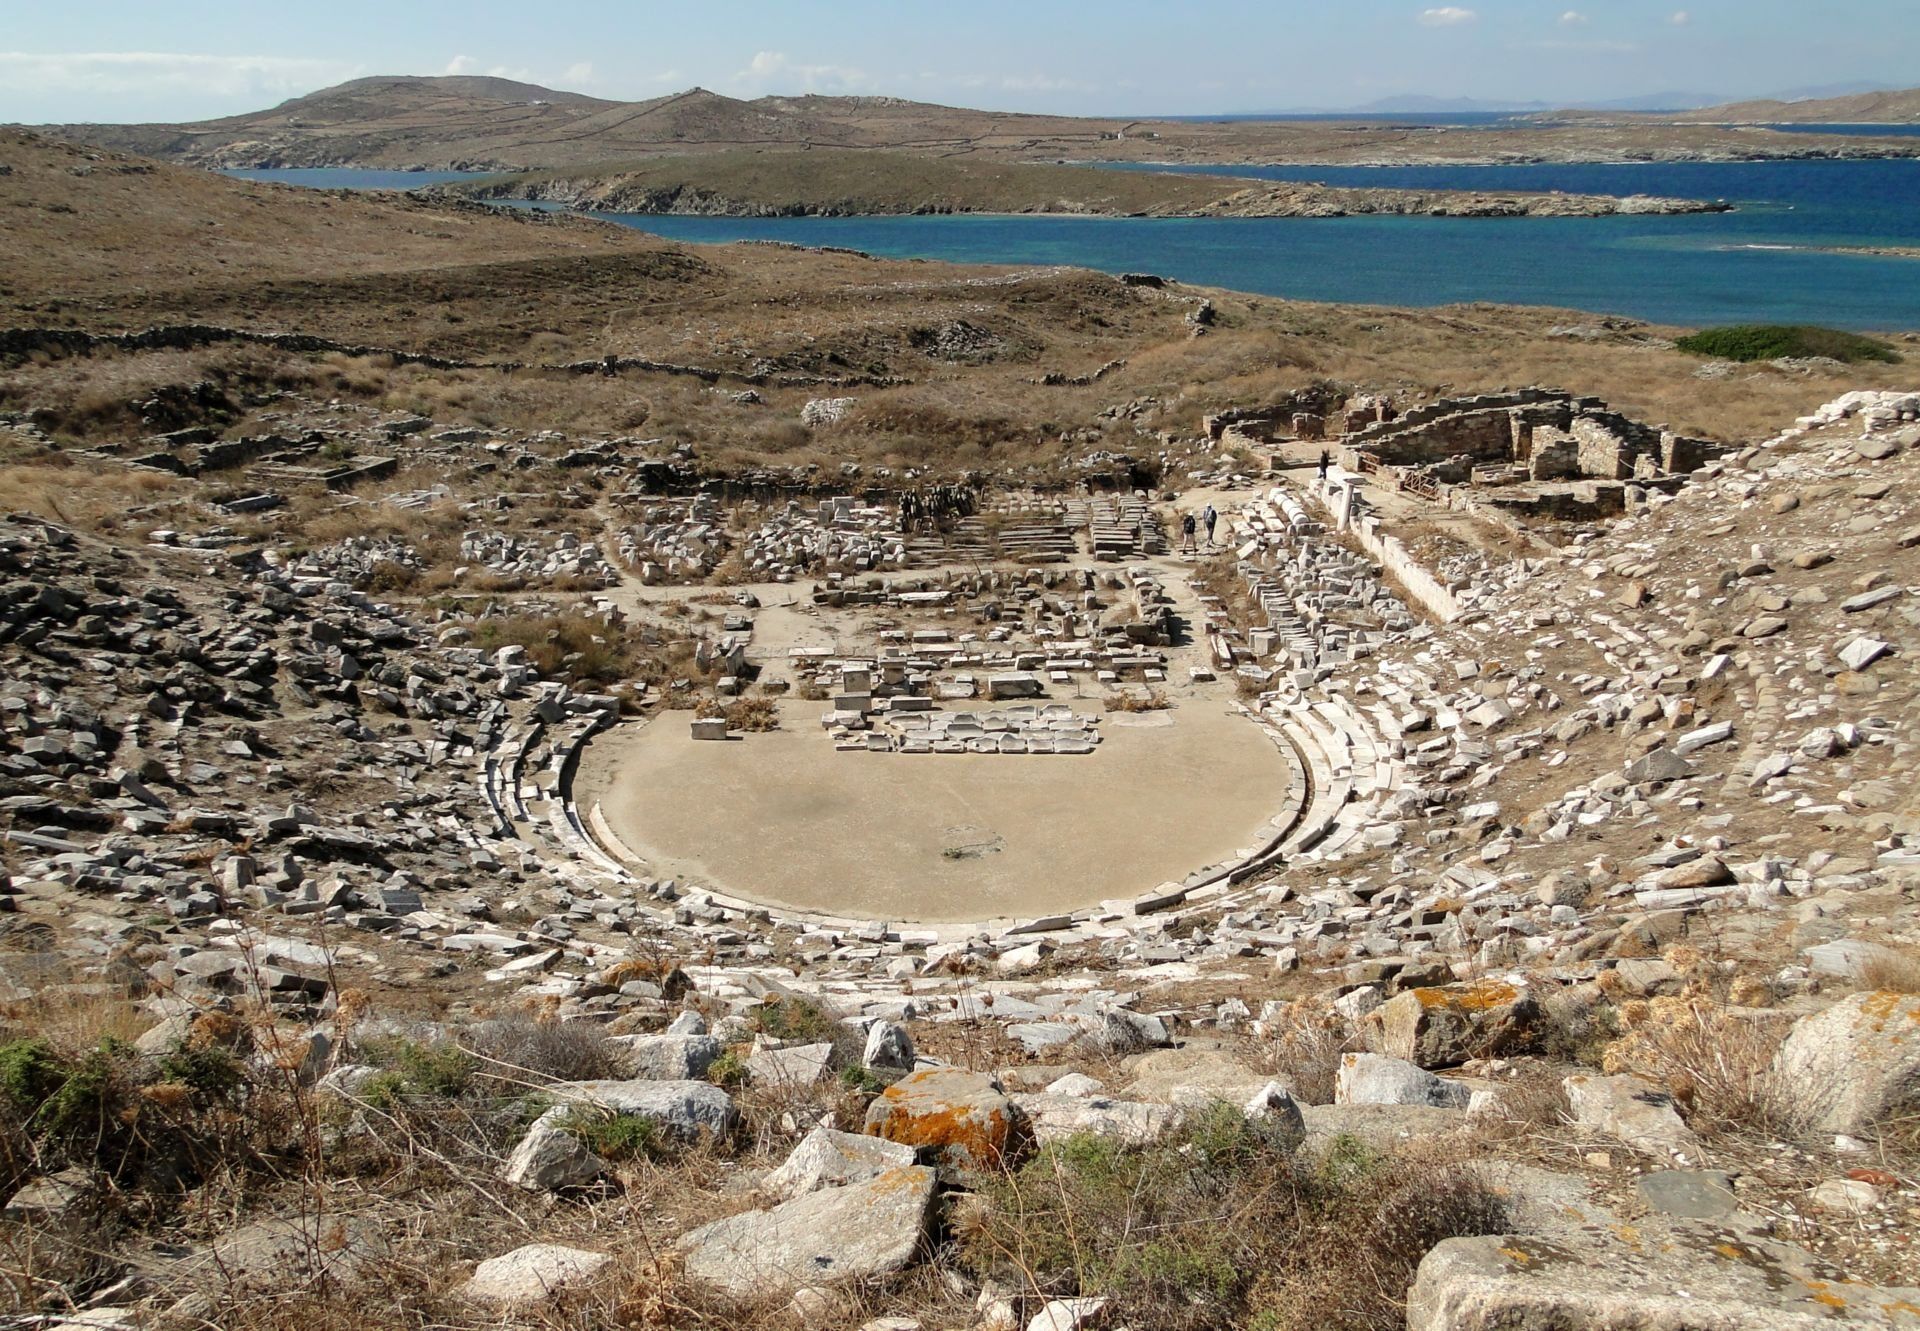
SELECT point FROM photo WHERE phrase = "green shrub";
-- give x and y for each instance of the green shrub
(616, 1137)
(857, 1078)
(728, 1070)
(30, 1071)
(409, 1071)
(1756, 342)
(795, 1019)
(212, 1074)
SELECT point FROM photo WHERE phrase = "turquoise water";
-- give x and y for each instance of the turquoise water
(1759, 263)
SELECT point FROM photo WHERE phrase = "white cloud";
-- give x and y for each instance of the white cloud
(1449, 16)
(466, 64)
(579, 75)
(1573, 18)
(1680, 18)
(136, 73)
(1037, 83)
(774, 71)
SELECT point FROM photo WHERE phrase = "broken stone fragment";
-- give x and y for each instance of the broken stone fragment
(1633, 1110)
(1375, 1079)
(889, 1047)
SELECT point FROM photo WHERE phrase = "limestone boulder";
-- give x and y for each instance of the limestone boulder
(965, 1120)
(1855, 1065)
(1191, 1076)
(1612, 1279)
(1382, 1127)
(1375, 1079)
(1633, 1110)
(528, 1277)
(826, 1158)
(1444, 1027)
(789, 1066)
(859, 1232)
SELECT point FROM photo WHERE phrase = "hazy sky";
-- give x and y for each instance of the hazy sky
(64, 60)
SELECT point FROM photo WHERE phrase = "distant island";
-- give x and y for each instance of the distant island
(846, 183)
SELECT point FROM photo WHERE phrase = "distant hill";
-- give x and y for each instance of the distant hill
(1866, 108)
(404, 122)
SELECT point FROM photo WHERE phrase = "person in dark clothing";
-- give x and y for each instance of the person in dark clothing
(1187, 526)
(1210, 515)
(1326, 460)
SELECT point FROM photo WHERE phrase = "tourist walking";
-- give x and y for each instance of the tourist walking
(1187, 525)
(1326, 460)
(1210, 515)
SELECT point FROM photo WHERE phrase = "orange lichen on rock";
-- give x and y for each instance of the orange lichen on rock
(963, 1118)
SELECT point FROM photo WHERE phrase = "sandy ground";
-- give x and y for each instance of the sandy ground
(786, 819)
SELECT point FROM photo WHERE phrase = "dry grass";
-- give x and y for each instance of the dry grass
(89, 498)
(1716, 1063)
(1891, 969)
(584, 652)
(1303, 1046)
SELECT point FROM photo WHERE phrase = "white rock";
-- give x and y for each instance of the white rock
(527, 1277)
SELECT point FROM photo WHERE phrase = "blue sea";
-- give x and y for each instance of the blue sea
(1760, 263)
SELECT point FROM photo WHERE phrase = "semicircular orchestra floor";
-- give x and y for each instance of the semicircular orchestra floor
(785, 819)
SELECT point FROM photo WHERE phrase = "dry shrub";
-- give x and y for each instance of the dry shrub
(1153, 700)
(752, 715)
(525, 1048)
(1304, 1045)
(1892, 970)
(1716, 1063)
